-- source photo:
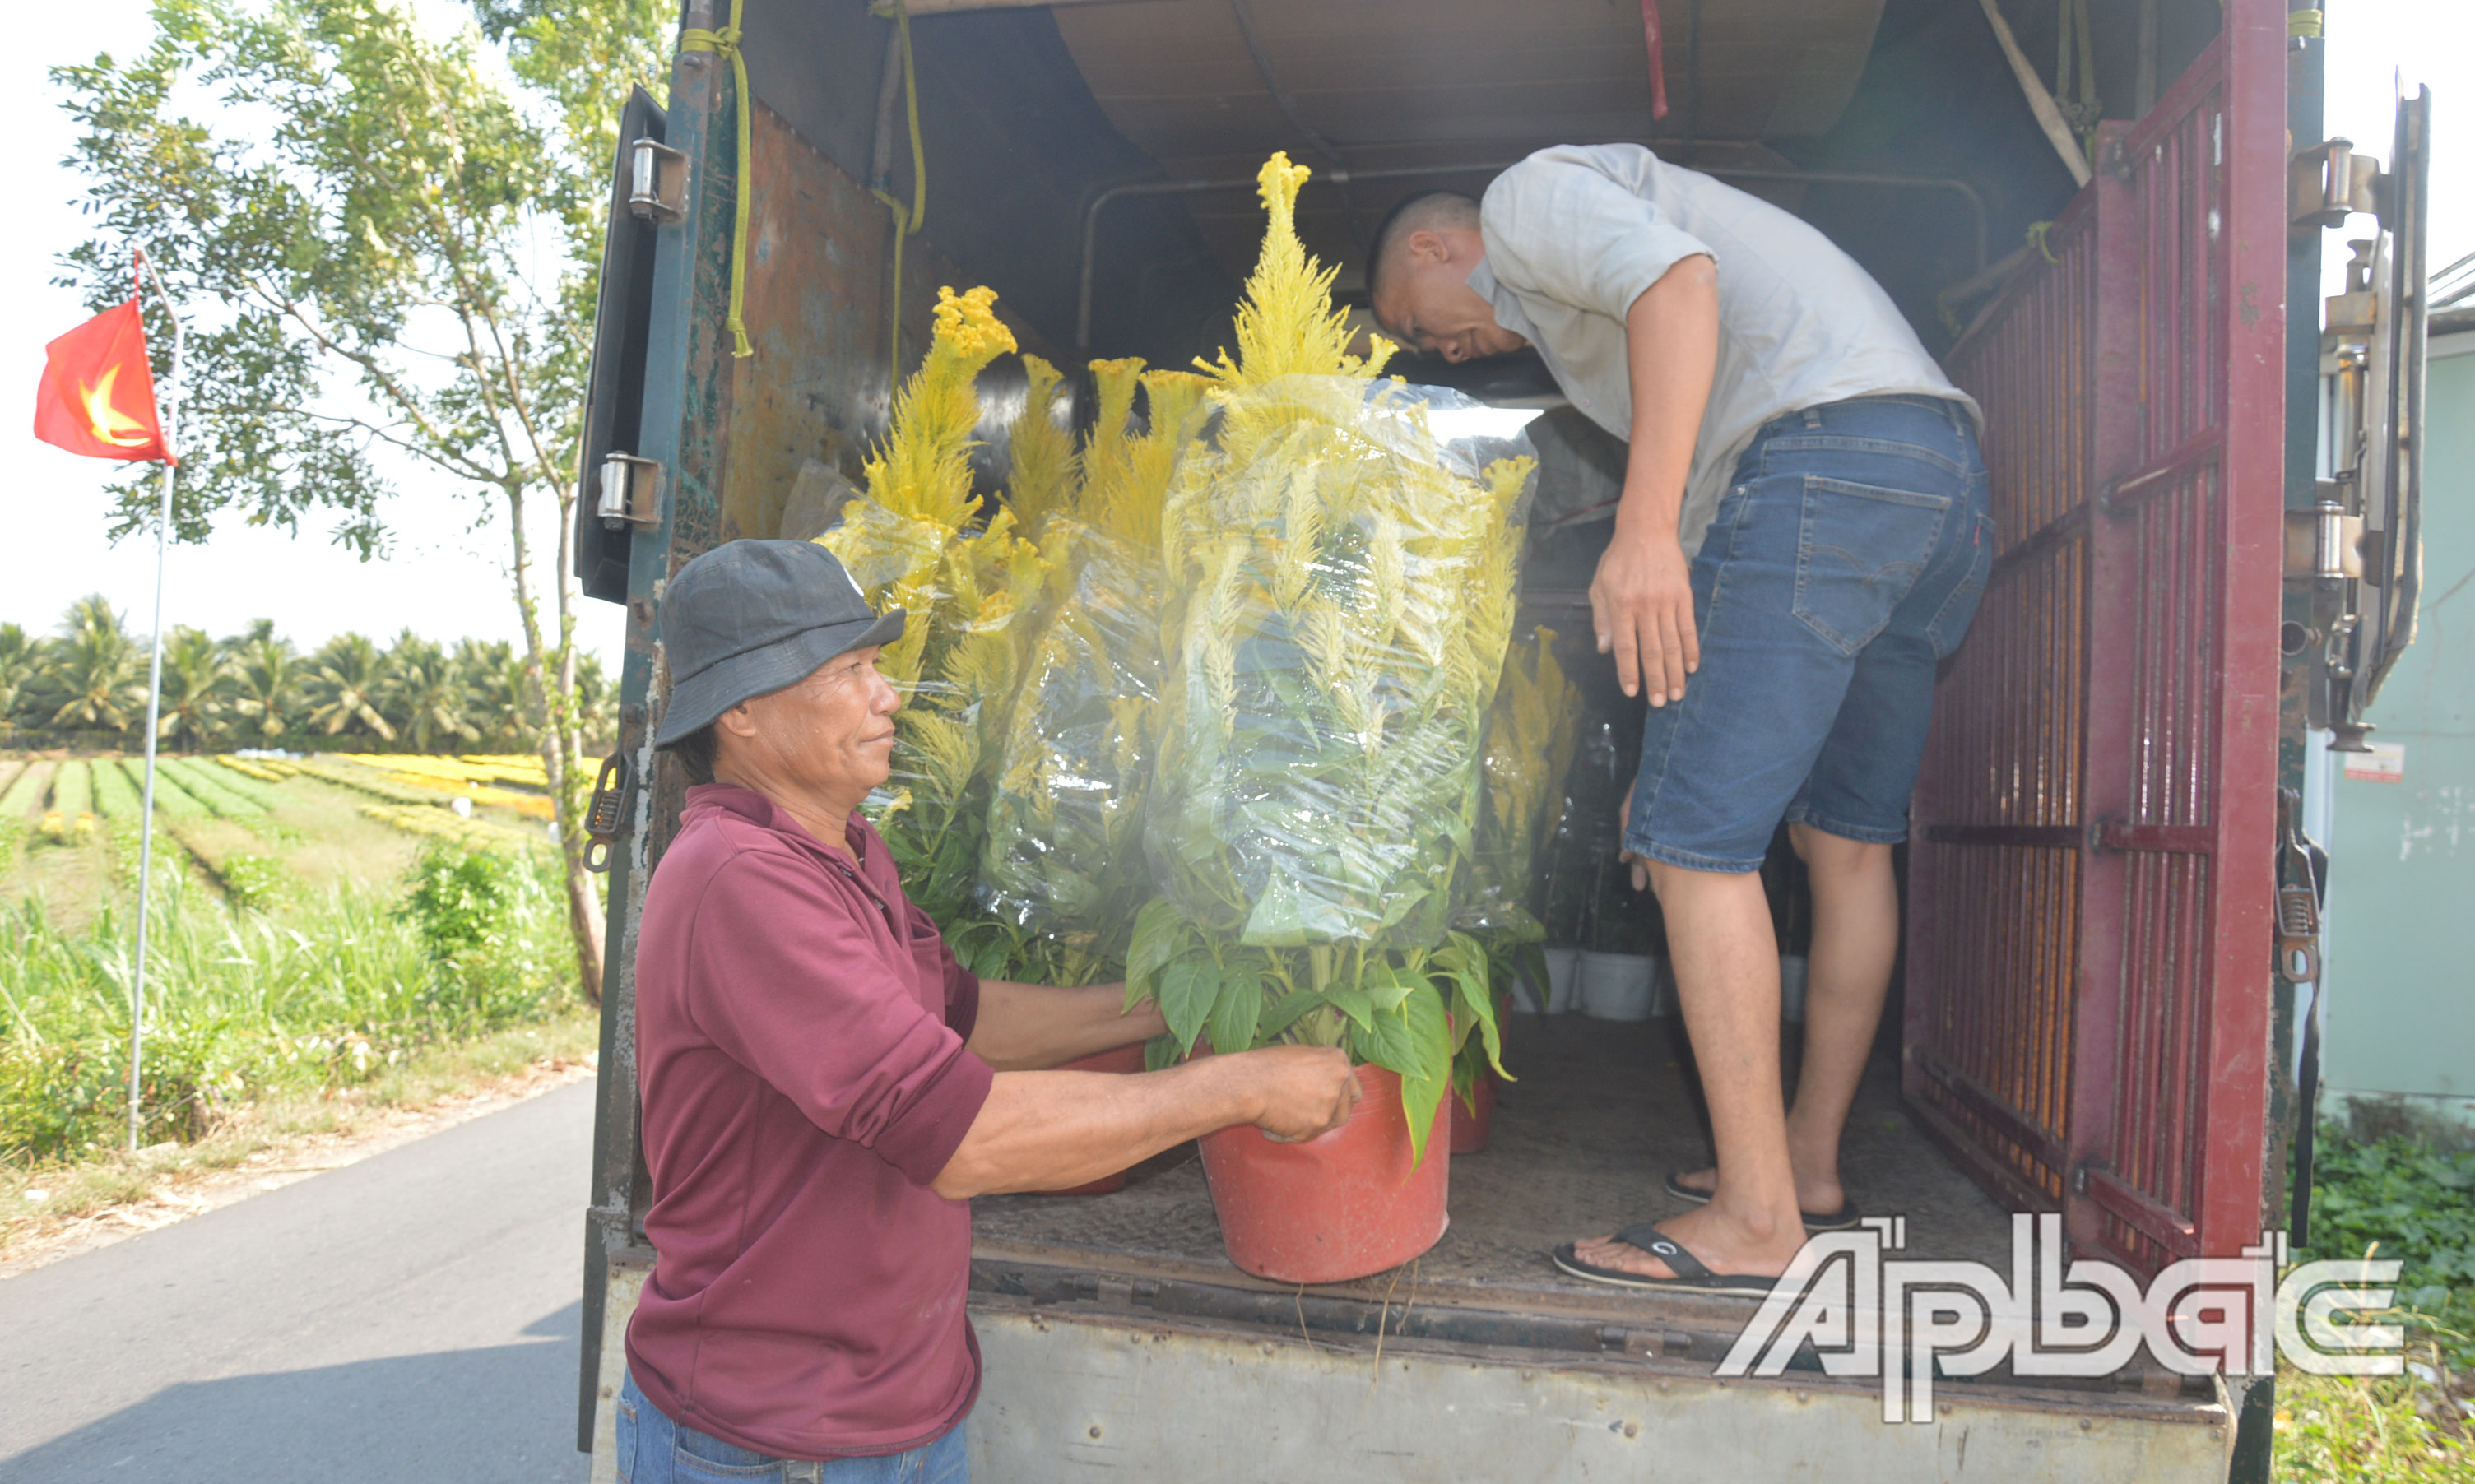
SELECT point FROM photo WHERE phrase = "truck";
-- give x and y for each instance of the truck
(2207, 509)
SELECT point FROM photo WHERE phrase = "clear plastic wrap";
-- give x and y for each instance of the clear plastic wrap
(1530, 733)
(1348, 582)
(1063, 858)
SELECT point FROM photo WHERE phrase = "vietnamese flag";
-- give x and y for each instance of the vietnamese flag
(98, 395)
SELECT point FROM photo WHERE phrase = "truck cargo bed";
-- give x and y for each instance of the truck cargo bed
(1602, 1110)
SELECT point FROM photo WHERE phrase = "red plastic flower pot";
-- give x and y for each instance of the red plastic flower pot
(1336, 1207)
(1125, 1059)
(1470, 1130)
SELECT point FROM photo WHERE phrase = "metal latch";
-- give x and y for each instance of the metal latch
(608, 810)
(631, 491)
(2328, 183)
(657, 182)
(2298, 895)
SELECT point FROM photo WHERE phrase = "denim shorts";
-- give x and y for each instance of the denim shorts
(1843, 565)
(653, 1449)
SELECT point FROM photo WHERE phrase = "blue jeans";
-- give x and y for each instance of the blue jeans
(653, 1449)
(1843, 565)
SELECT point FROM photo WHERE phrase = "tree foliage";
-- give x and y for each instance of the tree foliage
(388, 241)
(256, 689)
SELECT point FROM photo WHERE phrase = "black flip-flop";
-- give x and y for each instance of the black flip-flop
(1692, 1275)
(1844, 1219)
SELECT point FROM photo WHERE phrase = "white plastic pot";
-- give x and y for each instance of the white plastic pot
(1619, 986)
(1563, 975)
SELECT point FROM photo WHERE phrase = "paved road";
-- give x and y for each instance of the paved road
(411, 1317)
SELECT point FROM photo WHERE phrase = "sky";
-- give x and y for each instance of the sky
(446, 578)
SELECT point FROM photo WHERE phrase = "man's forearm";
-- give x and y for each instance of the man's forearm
(1671, 354)
(1053, 1130)
(1641, 599)
(1028, 1027)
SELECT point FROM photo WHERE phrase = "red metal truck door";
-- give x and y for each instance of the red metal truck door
(2092, 883)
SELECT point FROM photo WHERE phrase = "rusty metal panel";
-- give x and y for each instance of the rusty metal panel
(2091, 890)
(819, 282)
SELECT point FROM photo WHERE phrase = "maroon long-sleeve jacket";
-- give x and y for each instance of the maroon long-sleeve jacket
(800, 1029)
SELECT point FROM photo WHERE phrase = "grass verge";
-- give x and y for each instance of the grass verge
(41, 1203)
(2392, 1198)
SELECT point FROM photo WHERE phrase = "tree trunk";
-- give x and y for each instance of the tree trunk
(553, 703)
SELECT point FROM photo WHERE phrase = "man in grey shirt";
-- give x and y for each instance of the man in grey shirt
(1803, 532)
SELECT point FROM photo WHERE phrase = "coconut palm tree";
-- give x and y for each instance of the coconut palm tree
(20, 658)
(495, 703)
(194, 670)
(425, 692)
(264, 683)
(347, 682)
(97, 673)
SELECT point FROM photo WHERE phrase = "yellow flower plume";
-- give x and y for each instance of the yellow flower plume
(922, 468)
(1287, 323)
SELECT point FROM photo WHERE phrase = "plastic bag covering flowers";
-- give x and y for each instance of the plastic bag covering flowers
(1346, 584)
(1061, 859)
(1530, 733)
(909, 545)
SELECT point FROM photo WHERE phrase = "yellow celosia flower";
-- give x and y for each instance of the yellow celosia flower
(922, 468)
(1287, 324)
(908, 545)
(1045, 469)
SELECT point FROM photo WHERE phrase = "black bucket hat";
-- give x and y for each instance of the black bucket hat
(749, 618)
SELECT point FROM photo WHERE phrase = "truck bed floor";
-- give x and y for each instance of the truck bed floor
(1601, 1113)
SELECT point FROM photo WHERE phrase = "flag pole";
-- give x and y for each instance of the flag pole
(171, 416)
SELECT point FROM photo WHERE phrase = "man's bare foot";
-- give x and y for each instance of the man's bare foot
(1816, 1195)
(1724, 1245)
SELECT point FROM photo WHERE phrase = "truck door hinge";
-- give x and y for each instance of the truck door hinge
(2328, 183)
(631, 491)
(657, 182)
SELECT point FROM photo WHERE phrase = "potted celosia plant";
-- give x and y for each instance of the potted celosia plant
(1345, 581)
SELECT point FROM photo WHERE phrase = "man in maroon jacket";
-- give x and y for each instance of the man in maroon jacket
(824, 1087)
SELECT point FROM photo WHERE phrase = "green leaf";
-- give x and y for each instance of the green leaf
(1473, 1004)
(1386, 987)
(1388, 1041)
(1423, 1085)
(1355, 1004)
(1280, 1018)
(1236, 1011)
(1160, 934)
(1277, 922)
(1187, 988)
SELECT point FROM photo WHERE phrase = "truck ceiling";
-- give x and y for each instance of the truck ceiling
(1029, 112)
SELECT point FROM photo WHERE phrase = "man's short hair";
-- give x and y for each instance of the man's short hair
(1426, 210)
(695, 752)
